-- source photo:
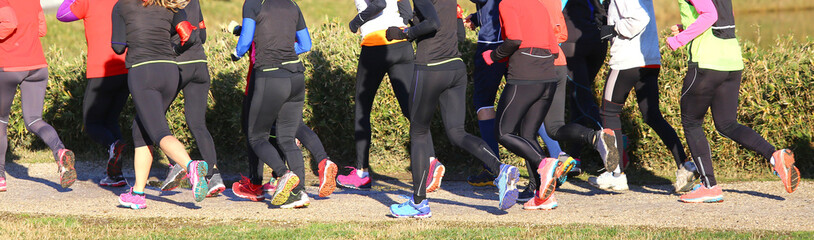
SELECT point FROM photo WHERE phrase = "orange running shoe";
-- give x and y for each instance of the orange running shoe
(785, 169)
(327, 177)
(702, 194)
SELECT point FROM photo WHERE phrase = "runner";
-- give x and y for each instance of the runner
(144, 29)
(713, 82)
(440, 78)
(279, 91)
(106, 91)
(23, 64)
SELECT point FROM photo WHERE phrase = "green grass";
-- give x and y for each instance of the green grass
(25, 226)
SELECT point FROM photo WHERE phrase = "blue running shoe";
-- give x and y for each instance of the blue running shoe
(506, 184)
(409, 209)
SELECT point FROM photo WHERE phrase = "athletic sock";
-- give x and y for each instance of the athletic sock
(552, 145)
(362, 174)
(189, 163)
(138, 193)
(487, 133)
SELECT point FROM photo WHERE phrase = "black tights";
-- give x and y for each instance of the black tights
(195, 84)
(716, 90)
(102, 106)
(645, 82)
(434, 86)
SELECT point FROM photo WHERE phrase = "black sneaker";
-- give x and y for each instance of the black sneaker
(174, 177)
(526, 195)
(297, 200)
(482, 179)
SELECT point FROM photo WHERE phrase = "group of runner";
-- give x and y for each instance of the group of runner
(549, 52)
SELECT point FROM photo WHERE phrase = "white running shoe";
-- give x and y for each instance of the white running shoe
(607, 181)
(685, 177)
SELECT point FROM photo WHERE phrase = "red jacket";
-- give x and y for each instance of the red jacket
(22, 23)
(102, 61)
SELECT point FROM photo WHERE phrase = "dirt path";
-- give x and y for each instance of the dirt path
(747, 205)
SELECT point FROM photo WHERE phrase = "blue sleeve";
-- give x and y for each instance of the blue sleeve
(303, 43)
(246, 37)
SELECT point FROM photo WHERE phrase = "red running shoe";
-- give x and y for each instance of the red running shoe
(785, 169)
(436, 173)
(65, 162)
(245, 189)
(327, 177)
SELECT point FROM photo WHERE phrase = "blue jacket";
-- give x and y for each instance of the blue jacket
(488, 19)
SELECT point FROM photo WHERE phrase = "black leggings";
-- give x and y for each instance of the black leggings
(277, 101)
(397, 61)
(646, 83)
(307, 137)
(584, 61)
(195, 84)
(102, 106)
(716, 90)
(153, 87)
(432, 87)
(32, 92)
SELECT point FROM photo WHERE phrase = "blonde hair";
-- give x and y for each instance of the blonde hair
(172, 5)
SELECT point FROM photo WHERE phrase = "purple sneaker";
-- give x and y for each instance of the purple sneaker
(196, 172)
(132, 200)
(353, 180)
(436, 173)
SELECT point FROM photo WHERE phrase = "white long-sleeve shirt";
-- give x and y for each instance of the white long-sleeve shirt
(637, 42)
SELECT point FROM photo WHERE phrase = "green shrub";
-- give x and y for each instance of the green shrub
(776, 101)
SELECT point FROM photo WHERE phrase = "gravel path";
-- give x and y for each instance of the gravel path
(33, 188)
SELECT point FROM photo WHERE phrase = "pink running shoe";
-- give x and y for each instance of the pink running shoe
(548, 177)
(352, 180)
(65, 164)
(702, 194)
(132, 200)
(196, 172)
(540, 204)
(2, 184)
(436, 173)
(327, 177)
(785, 169)
(245, 189)
(270, 186)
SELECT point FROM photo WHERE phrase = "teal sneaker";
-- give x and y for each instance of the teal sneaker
(408, 209)
(506, 184)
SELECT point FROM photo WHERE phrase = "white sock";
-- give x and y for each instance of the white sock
(771, 160)
(361, 174)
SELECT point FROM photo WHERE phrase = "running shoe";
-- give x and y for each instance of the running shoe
(132, 200)
(114, 166)
(327, 177)
(113, 181)
(216, 185)
(607, 181)
(270, 186)
(785, 169)
(685, 177)
(566, 164)
(352, 180)
(526, 195)
(297, 200)
(702, 194)
(435, 175)
(174, 177)
(65, 166)
(540, 204)
(548, 178)
(506, 180)
(285, 184)
(2, 184)
(482, 179)
(196, 174)
(409, 209)
(605, 143)
(245, 189)
(576, 170)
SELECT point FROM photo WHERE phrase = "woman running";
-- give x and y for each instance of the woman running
(379, 56)
(145, 29)
(279, 91)
(440, 78)
(713, 81)
(23, 65)
(634, 64)
(106, 91)
(192, 65)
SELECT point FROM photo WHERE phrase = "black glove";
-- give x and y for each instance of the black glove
(234, 57)
(236, 30)
(355, 24)
(395, 33)
(607, 31)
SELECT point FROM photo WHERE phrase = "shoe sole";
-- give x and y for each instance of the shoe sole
(548, 186)
(132, 205)
(482, 184)
(426, 215)
(684, 182)
(201, 187)
(175, 182)
(612, 152)
(367, 186)
(282, 195)
(606, 187)
(541, 207)
(569, 164)
(215, 190)
(253, 198)
(328, 179)
(437, 177)
(116, 184)
(716, 199)
(297, 204)
(508, 197)
(68, 177)
(791, 178)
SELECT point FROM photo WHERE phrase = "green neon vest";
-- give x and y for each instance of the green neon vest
(717, 48)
